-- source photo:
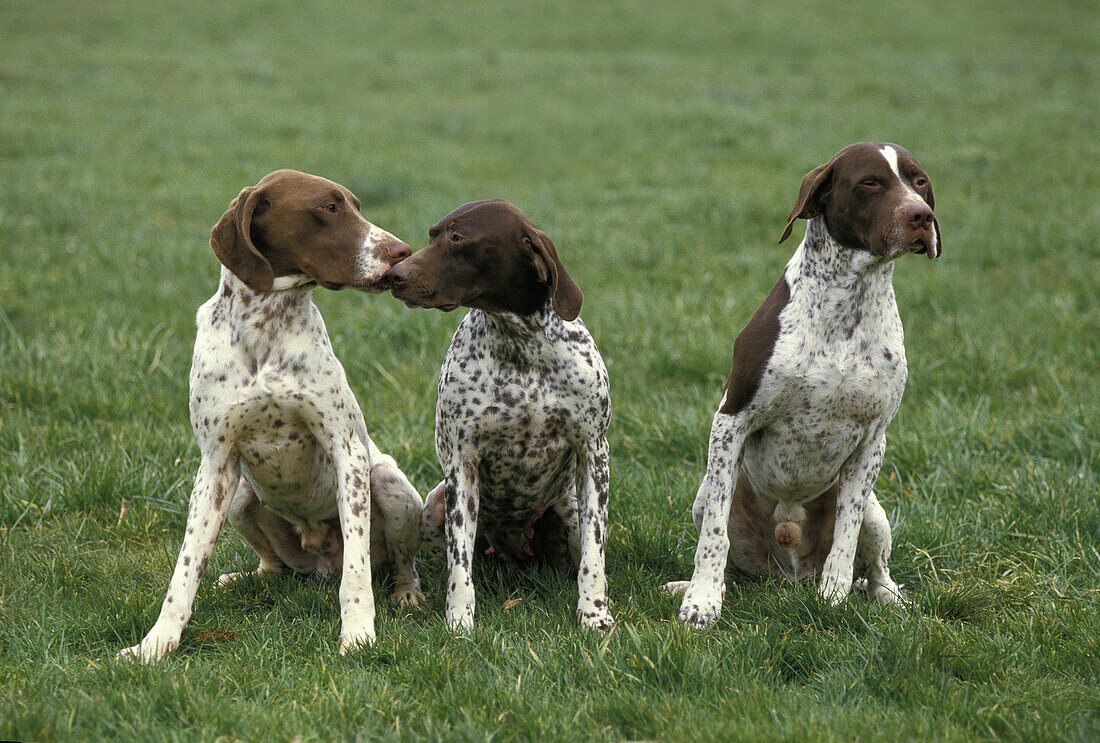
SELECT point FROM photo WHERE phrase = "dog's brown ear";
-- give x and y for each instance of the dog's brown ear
(231, 241)
(566, 296)
(931, 201)
(935, 224)
(815, 186)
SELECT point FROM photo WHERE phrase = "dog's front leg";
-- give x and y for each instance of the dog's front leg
(215, 485)
(857, 478)
(702, 601)
(461, 528)
(354, 503)
(400, 507)
(593, 482)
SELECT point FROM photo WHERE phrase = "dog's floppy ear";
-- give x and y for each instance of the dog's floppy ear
(815, 186)
(935, 225)
(232, 243)
(566, 296)
(931, 201)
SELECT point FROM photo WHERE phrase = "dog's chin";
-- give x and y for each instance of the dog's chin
(421, 301)
(428, 305)
(894, 249)
(924, 246)
(372, 285)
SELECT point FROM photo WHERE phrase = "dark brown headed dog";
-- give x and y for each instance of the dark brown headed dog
(488, 256)
(817, 376)
(523, 405)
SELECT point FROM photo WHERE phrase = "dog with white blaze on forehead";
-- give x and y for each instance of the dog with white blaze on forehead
(285, 453)
(523, 406)
(818, 374)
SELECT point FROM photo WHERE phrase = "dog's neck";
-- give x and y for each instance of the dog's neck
(515, 337)
(840, 288)
(261, 320)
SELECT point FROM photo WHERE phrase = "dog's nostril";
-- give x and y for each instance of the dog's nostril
(398, 251)
(919, 217)
(395, 276)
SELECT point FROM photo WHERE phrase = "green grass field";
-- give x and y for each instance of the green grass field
(661, 146)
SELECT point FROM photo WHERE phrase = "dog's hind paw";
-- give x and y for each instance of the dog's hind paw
(676, 587)
(409, 597)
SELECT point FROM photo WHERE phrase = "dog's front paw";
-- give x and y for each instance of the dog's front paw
(460, 618)
(834, 588)
(597, 616)
(147, 651)
(885, 592)
(410, 597)
(700, 608)
(352, 642)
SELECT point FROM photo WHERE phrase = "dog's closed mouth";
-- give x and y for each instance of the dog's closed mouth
(414, 304)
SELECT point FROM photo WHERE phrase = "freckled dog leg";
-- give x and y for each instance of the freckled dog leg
(400, 507)
(432, 531)
(461, 528)
(592, 490)
(698, 508)
(247, 515)
(857, 477)
(566, 508)
(874, 552)
(215, 486)
(702, 601)
(354, 504)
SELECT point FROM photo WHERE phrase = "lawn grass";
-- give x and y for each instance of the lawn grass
(660, 145)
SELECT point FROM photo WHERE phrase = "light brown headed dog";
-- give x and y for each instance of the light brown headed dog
(285, 450)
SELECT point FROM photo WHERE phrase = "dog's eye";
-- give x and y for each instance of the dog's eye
(455, 237)
(870, 183)
(330, 207)
(920, 182)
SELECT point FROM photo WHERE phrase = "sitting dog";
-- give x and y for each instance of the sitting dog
(523, 405)
(818, 374)
(285, 452)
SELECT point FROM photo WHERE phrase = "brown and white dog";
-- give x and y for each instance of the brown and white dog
(818, 374)
(285, 451)
(523, 406)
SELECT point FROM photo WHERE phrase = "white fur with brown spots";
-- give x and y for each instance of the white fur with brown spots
(285, 452)
(818, 374)
(523, 409)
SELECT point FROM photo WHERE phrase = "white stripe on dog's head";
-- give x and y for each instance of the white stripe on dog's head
(891, 156)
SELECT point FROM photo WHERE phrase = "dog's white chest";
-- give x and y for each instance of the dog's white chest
(829, 392)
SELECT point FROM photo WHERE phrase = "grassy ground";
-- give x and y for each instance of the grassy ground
(660, 145)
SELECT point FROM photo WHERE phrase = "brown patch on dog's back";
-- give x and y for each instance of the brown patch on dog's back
(753, 349)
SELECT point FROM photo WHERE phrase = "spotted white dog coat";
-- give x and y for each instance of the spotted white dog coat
(284, 448)
(818, 375)
(523, 406)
